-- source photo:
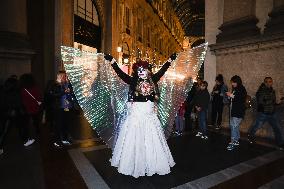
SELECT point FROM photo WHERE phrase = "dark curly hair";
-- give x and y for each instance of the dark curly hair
(220, 78)
(237, 79)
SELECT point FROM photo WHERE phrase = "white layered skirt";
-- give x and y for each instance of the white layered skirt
(141, 147)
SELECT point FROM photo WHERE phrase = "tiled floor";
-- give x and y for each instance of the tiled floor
(85, 164)
(200, 164)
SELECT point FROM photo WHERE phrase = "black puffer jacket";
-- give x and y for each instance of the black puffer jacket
(266, 99)
(238, 102)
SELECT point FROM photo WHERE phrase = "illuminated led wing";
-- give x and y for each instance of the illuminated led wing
(98, 90)
(177, 82)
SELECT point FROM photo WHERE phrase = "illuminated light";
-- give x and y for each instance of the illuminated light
(119, 49)
(103, 96)
(172, 75)
(125, 60)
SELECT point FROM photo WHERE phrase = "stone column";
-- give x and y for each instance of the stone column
(13, 16)
(115, 27)
(108, 12)
(67, 22)
(15, 48)
(262, 9)
(239, 20)
(213, 19)
(278, 3)
(275, 24)
(63, 28)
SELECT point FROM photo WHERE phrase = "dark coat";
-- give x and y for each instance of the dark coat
(201, 99)
(238, 102)
(55, 94)
(266, 99)
(11, 102)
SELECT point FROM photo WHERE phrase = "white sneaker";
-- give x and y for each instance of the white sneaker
(204, 137)
(29, 142)
(1, 151)
(235, 143)
(66, 142)
(57, 145)
(198, 134)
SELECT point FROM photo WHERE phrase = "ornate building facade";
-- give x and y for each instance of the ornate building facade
(146, 29)
(127, 29)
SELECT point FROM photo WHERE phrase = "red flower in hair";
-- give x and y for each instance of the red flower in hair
(141, 63)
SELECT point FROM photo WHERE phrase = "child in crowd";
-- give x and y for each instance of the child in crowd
(179, 120)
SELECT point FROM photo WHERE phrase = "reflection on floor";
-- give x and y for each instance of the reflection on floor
(199, 164)
(85, 164)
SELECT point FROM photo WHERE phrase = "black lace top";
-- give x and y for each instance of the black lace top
(142, 90)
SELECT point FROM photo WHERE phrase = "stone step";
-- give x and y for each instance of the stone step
(277, 183)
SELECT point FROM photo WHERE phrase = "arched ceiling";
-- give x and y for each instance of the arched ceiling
(191, 14)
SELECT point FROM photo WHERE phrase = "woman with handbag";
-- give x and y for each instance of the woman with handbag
(12, 112)
(32, 100)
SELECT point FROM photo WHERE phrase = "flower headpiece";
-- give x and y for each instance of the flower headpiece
(143, 64)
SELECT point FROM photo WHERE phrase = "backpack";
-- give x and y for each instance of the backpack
(224, 89)
(248, 102)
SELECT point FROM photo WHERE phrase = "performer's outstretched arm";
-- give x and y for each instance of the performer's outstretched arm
(157, 76)
(121, 74)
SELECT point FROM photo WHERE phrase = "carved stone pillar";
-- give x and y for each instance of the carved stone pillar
(239, 20)
(275, 23)
(262, 9)
(213, 19)
(15, 48)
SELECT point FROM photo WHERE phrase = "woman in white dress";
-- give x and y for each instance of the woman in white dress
(141, 148)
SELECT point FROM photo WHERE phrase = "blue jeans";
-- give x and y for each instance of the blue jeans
(202, 121)
(272, 120)
(179, 122)
(235, 128)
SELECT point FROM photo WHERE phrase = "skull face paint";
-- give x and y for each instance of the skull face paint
(142, 73)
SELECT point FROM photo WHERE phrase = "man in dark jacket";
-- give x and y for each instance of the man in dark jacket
(237, 110)
(189, 105)
(200, 102)
(266, 101)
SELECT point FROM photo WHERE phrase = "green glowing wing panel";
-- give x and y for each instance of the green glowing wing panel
(98, 90)
(177, 82)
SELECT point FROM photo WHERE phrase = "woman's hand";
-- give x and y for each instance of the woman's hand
(229, 94)
(172, 57)
(108, 57)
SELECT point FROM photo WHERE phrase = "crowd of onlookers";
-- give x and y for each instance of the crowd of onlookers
(197, 103)
(24, 106)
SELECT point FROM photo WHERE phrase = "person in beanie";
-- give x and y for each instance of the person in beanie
(266, 101)
(237, 110)
(201, 102)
